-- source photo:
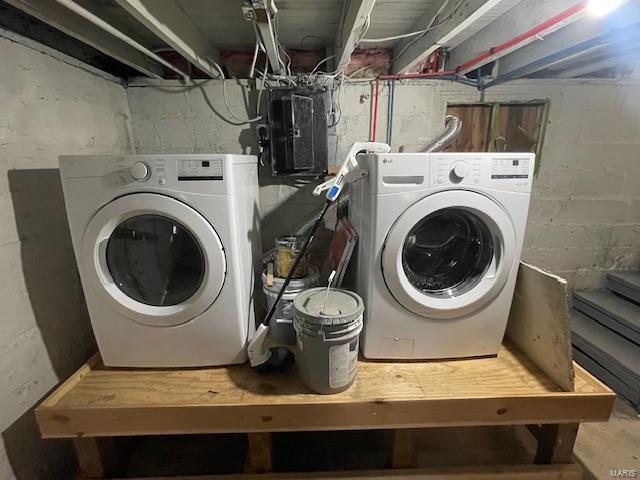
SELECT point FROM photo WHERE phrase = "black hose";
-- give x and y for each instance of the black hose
(296, 262)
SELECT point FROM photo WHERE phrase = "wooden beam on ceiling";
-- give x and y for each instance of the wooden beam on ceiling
(525, 16)
(63, 19)
(586, 32)
(171, 24)
(354, 19)
(450, 26)
(264, 24)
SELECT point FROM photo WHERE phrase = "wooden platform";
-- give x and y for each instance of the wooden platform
(509, 389)
(532, 383)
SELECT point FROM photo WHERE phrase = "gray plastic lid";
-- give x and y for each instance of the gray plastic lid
(343, 306)
(296, 284)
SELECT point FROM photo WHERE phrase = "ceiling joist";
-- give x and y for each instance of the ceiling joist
(352, 25)
(619, 60)
(522, 18)
(579, 38)
(449, 27)
(264, 24)
(63, 19)
(169, 22)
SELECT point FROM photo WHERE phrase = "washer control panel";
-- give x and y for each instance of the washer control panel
(502, 171)
(510, 168)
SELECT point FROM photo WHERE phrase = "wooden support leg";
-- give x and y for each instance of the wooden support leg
(403, 449)
(92, 456)
(259, 458)
(555, 442)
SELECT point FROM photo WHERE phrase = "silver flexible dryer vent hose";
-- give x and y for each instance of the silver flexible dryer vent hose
(451, 131)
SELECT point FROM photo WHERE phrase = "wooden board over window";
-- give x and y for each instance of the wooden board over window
(476, 121)
(500, 127)
(518, 127)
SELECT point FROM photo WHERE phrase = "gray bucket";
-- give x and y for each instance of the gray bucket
(327, 340)
(281, 326)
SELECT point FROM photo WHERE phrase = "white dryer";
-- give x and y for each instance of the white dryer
(441, 236)
(165, 247)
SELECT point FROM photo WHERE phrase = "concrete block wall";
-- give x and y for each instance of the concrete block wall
(48, 107)
(584, 218)
(585, 213)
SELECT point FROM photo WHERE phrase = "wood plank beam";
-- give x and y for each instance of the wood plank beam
(454, 24)
(522, 18)
(170, 23)
(404, 449)
(355, 15)
(74, 25)
(259, 453)
(555, 442)
(264, 23)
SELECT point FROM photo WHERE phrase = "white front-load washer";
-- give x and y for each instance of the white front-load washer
(165, 246)
(441, 236)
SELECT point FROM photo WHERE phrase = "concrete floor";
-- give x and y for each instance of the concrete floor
(601, 447)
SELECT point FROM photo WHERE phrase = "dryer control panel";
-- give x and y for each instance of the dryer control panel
(159, 170)
(209, 174)
(198, 170)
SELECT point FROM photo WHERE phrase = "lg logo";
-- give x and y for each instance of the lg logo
(387, 160)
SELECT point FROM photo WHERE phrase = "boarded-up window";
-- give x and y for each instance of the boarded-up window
(519, 127)
(500, 127)
(474, 136)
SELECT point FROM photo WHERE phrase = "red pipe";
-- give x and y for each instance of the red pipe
(535, 31)
(483, 57)
(374, 122)
(416, 75)
(376, 94)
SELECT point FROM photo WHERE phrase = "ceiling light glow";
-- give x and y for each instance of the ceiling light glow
(600, 8)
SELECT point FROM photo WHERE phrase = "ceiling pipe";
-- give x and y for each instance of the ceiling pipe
(535, 32)
(628, 33)
(98, 22)
(451, 75)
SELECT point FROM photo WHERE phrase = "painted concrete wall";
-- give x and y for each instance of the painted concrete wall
(585, 214)
(48, 108)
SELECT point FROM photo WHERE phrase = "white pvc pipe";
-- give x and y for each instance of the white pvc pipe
(97, 21)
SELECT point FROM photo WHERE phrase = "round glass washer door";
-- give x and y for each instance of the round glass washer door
(449, 254)
(154, 259)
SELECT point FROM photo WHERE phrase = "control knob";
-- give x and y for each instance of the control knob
(460, 170)
(140, 171)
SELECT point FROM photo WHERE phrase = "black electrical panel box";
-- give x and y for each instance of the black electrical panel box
(298, 130)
